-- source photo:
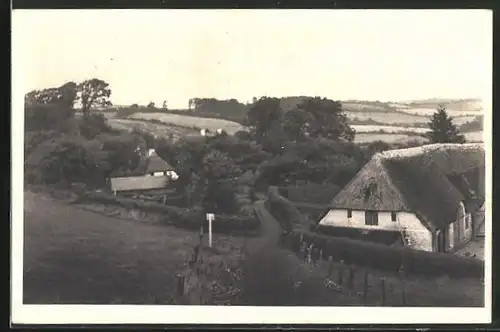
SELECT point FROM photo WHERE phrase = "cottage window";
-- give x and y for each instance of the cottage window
(349, 213)
(393, 216)
(371, 218)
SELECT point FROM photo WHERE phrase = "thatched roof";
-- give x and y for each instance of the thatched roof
(429, 181)
(157, 164)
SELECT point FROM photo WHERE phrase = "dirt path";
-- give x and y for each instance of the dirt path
(270, 230)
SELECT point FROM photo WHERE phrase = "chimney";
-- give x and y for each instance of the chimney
(150, 152)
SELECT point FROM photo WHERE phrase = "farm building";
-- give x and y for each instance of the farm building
(157, 175)
(156, 165)
(432, 195)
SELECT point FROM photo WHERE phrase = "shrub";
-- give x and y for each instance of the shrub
(126, 111)
(377, 236)
(180, 217)
(45, 116)
(388, 258)
(62, 160)
(93, 124)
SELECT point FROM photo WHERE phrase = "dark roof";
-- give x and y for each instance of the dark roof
(157, 164)
(429, 181)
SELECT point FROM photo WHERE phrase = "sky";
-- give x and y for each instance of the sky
(175, 55)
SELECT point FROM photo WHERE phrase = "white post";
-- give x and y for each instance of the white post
(210, 218)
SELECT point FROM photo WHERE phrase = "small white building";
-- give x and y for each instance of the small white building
(432, 195)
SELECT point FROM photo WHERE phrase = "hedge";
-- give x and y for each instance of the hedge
(376, 236)
(393, 258)
(375, 255)
(247, 224)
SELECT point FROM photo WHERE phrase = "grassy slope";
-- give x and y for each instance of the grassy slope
(77, 256)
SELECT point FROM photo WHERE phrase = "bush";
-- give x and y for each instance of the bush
(45, 116)
(388, 258)
(376, 236)
(126, 111)
(224, 224)
(180, 217)
(63, 160)
(94, 124)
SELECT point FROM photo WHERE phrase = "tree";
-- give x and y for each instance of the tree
(65, 96)
(325, 119)
(295, 124)
(49, 108)
(442, 128)
(151, 104)
(94, 93)
(218, 176)
(164, 106)
(263, 115)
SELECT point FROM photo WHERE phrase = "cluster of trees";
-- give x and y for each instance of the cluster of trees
(83, 148)
(310, 140)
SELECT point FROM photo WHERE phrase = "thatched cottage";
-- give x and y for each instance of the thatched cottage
(432, 195)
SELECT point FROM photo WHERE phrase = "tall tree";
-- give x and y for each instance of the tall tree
(325, 119)
(263, 115)
(442, 128)
(94, 93)
(65, 95)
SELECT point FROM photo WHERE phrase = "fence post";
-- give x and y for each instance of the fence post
(180, 285)
(382, 289)
(341, 273)
(351, 277)
(330, 265)
(365, 290)
(403, 286)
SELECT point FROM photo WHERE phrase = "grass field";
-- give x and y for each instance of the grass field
(389, 138)
(190, 121)
(401, 117)
(157, 129)
(72, 256)
(474, 136)
(430, 111)
(389, 129)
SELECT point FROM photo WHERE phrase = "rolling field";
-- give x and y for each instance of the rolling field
(430, 111)
(475, 136)
(73, 256)
(157, 129)
(389, 129)
(389, 138)
(395, 117)
(190, 121)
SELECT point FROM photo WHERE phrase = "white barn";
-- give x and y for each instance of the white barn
(433, 195)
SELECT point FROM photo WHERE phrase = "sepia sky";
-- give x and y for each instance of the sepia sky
(176, 55)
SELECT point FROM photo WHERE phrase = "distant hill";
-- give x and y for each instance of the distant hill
(467, 104)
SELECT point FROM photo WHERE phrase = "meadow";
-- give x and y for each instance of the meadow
(388, 129)
(403, 117)
(190, 121)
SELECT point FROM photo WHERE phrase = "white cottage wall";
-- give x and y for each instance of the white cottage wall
(420, 238)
